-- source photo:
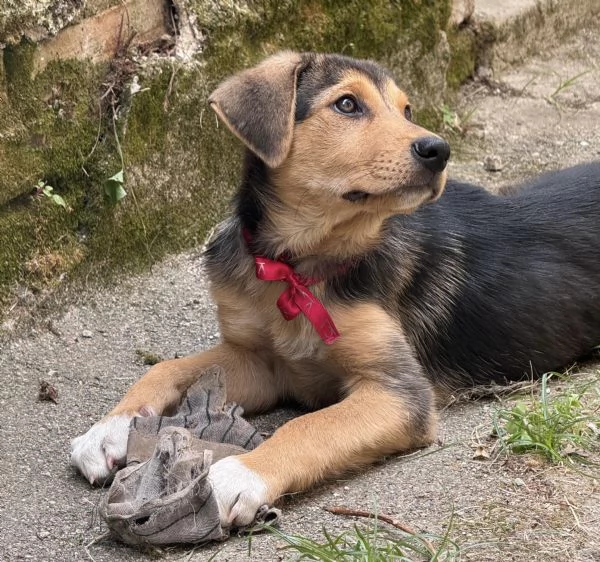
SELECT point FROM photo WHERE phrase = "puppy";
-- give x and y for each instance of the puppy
(346, 282)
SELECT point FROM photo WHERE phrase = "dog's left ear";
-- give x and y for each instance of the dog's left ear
(259, 104)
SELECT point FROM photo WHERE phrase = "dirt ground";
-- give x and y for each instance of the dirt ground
(530, 119)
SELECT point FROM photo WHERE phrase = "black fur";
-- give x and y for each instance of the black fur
(499, 288)
(319, 73)
(485, 287)
(504, 287)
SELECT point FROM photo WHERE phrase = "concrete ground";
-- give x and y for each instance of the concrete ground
(543, 115)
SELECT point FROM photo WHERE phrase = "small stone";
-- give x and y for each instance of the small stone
(87, 334)
(519, 482)
(493, 164)
(47, 392)
(481, 453)
(43, 534)
(8, 326)
(483, 73)
(584, 143)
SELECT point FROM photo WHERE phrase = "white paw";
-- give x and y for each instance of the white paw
(102, 448)
(239, 491)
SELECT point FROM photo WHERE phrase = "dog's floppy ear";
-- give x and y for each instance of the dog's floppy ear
(258, 105)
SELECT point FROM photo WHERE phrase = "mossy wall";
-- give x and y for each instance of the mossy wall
(180, 165)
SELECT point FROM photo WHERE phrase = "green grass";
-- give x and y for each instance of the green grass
(567, 83)
(370, 543)
(558, 424)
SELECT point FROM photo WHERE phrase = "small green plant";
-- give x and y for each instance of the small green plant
(148, 357)
(456, 122)
(42, 188)
(369, 544)
(559, 427)
(450, 118)
(115, 190)
(113, 186)
(565, 84)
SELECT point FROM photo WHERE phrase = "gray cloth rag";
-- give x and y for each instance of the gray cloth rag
(163, 495)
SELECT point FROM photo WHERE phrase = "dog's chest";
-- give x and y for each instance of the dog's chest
(253, 319)
(294, 339)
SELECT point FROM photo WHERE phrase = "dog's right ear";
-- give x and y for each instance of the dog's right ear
(258, 105)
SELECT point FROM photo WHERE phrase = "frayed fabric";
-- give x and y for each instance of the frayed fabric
(164, 496)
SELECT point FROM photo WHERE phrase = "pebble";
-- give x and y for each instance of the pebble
(478, 134)
(86, 334)
(43, 534)
(493, 164)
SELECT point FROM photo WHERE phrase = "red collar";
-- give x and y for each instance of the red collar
(297, 297)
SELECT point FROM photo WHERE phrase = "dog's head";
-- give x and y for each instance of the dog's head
(335, 127)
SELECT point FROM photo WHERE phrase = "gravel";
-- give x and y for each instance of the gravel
(89, 350)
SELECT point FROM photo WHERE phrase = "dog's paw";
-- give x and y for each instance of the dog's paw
(102, 448)
(239, 491)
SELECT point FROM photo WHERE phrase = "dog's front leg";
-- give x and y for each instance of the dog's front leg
(388, 407)
(371, 422)
(249, 382)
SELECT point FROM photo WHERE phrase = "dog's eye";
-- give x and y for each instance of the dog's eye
(347, 105)
(408, 112)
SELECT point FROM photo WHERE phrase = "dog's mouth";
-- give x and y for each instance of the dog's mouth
(431, 184)
(355, 195)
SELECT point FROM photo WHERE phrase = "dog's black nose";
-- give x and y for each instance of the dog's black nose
(432, 152)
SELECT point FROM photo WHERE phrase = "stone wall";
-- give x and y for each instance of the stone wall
(97, 88)
(83, 82)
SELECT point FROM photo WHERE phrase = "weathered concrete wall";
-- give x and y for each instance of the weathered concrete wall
(68, 68)
(496, 34)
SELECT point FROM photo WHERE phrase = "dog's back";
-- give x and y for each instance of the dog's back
(495, 288)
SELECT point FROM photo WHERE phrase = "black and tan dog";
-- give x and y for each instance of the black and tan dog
(337, 287)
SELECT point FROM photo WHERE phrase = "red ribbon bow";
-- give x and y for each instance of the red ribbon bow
(297, 297)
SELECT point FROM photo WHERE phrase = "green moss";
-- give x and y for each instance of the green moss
(180, 165)
(179, 173)
(148, 121)
(54, 126)
(398, 34)
(148, 357)
(56, 117)
(463, 55)
(37, 244)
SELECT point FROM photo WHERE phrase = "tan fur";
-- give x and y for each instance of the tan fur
(162, 386)
(373, 155)
(268, 359)
(369, 423)
(362, 428)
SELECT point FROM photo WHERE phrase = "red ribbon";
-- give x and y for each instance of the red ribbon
(297, 297)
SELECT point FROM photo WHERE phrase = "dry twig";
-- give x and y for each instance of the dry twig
(337, 510)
